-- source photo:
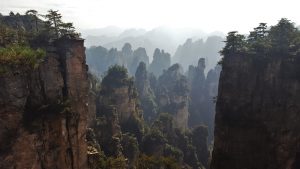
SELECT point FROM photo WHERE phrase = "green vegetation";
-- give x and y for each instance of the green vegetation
(122, 132)
(15, 56)
(55, 24)
(23, 37)
(117, 76)
(282, 39)
(9, 36)
(153, 162)
(116, 163)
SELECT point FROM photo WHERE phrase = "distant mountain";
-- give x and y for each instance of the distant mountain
(98, 40)
(161, 37)
(134, 41)
(190, 52)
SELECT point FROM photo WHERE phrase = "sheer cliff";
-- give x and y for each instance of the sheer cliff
(257, 111)
(43, 111)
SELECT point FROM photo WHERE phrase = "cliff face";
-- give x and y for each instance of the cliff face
(145, 93)
(202, 94)
(172, 95)
(43, 112)
(257, 113)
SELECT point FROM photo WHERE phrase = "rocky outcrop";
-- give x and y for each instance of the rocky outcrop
(161, 61)
(100, 59)
(189, 52)
(120, 92)
(139, 55)
(117, 114)
(197, 79)
(43, 112)
(257, 113)
(173, 95)
(204, 89)
(145, 93)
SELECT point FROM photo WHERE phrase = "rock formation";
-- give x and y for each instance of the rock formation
(146, 93)
(139, 55)
(43, 113)
(161, 61)
(100, 59)
(257, 113)
(260, 127)
(189, 53)
(197, 79)
(173, 95)
(204, 89)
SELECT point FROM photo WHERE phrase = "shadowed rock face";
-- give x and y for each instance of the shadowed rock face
(145, 93)
(172, 95)
(257, 113)
(43, 111)
(202, 94)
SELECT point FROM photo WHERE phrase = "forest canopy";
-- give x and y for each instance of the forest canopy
(280, 39)
(23, 38)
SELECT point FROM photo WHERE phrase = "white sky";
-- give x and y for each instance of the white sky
(208, 15)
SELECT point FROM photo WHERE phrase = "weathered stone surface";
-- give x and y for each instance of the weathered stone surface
(173, 95)
(43, 112)
(257, 113)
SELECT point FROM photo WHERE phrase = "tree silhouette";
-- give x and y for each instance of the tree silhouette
(34, 14)
(54, 19)
(66, 28)
(234, 43)
(60, 28)
(283, 36)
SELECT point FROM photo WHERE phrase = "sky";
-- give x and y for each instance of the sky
(206, 15)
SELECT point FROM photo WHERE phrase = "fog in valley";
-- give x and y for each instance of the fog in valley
(139, 84)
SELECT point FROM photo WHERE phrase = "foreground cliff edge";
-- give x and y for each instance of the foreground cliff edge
(46, 128)
(258, 105)
(43, 93)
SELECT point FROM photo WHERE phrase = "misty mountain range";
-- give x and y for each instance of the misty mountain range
(160, 37)
(186, 46)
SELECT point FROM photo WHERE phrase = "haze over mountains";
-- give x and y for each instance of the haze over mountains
(116, 104)
(161, 37)
(185, 46)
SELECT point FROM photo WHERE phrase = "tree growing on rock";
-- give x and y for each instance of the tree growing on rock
(34, 14)
(54, 19)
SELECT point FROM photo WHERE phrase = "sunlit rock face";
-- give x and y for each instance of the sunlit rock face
(257, 113)
(44, 111)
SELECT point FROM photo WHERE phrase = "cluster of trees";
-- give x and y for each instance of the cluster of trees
(32, 27)
(281, 39)
(132, 130)
(54, 23)
(23, 37)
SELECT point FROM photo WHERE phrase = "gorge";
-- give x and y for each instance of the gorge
(63, 106)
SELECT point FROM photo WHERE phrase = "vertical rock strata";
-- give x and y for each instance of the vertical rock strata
(43, 112)
(257, 113)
